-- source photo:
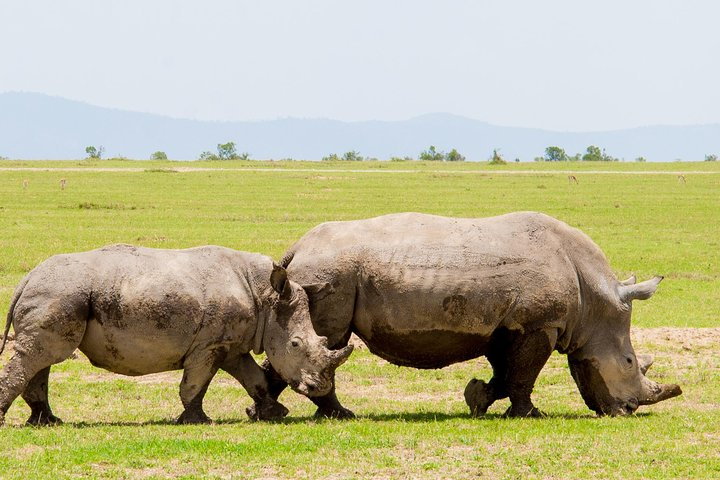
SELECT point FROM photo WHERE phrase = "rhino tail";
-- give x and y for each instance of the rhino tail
(11, 309)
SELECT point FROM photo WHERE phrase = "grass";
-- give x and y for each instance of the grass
(412, 423)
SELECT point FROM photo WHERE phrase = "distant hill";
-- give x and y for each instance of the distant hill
(36, 126)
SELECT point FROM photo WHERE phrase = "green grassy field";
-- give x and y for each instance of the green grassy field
(411, 423)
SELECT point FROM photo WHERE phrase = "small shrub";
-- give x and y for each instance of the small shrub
(159, 155)
(497, 159)
(94, 153)
(454, 156)
(432, 155)
(352, 156)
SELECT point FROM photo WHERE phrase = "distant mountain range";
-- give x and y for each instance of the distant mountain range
(36, 126)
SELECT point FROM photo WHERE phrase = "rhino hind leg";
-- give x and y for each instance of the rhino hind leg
(36, 396)
(200, 368)
(528, 354)
(480, 395)
(51, 340)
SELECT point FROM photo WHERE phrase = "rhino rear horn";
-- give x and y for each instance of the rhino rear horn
(639, 291)
(645, 361)
(630, 281)
(278, 278)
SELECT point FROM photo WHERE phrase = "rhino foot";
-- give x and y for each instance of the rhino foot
(478, 396)
(340, 413)
(41, 420)
(192, 417)
(268, 410)
(524, 412)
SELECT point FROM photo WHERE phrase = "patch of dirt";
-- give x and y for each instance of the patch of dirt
(673, 337)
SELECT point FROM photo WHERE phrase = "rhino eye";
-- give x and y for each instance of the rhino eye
(629, 361)
(295, 342)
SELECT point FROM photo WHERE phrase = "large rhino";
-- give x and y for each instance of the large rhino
(137, 311)
(426, 291)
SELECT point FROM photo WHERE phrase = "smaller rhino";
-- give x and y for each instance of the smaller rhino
(136, 311)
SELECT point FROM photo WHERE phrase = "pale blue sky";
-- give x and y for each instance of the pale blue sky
(557, 64)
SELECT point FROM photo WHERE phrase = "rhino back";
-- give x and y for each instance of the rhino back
(430, 291)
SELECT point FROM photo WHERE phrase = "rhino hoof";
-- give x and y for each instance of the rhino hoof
(43, 420)
(340, 413)
(532, 412)
(267, 411)
(192, 418)
(478, 396)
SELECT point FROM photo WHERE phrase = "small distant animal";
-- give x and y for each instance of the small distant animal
(681, 178)
(63, 183)
(572, 179)
(25, 184)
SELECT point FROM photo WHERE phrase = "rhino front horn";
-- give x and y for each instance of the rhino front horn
(657, 392)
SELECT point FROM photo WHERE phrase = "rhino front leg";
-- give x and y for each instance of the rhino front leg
(528, 354)
(329, 407)
(200, 368)
(244, 369)
(36, 396)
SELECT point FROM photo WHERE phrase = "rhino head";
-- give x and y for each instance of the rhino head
(610, 376)
(297, 353)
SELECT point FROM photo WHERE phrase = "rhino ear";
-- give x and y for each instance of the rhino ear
(278, 278)
(639, 291)
(318, 291)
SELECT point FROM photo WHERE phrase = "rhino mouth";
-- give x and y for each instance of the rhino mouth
(311, 385)
(620, 408)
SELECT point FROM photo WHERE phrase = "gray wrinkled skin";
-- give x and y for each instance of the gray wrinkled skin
(426, 291)
(136, 311)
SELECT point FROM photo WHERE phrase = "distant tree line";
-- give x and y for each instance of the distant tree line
(553, 153)
(429, 155)
(592, 154)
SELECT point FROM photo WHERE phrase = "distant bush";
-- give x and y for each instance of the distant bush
(555, 154)
(3, 158)
(432, 155)
(401, 159)
(159, 155)
(711, 158)
(333, 157)
(594, 154)
(94, 153)
(497, 159)
(225, 151)
(352, 156)
(640, 159)
(208, 155)
(454, 156)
